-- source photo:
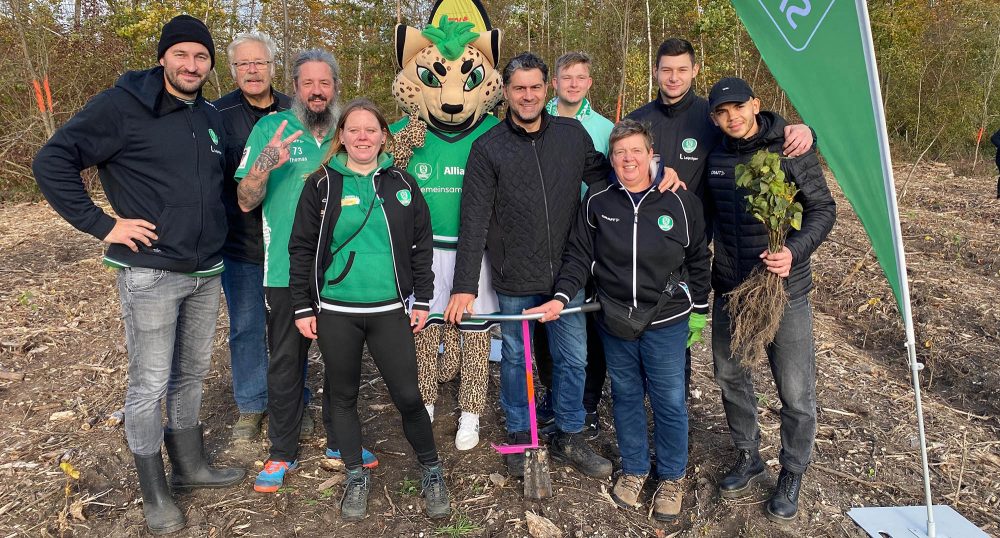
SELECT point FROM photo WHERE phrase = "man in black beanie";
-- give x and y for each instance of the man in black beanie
(157, 146)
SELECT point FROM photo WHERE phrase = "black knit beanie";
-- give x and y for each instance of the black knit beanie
(182, 29)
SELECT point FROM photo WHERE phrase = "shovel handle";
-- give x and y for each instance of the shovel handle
(585, 307)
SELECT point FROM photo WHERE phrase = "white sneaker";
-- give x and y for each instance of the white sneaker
(468, 431)
(430, 411)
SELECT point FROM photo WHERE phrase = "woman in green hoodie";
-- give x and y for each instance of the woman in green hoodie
(361, 244)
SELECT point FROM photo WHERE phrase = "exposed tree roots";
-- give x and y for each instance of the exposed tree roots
(755, 309)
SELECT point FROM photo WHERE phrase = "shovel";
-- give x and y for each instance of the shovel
(537, 484)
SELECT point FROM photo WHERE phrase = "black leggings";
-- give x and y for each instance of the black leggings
(390, 341)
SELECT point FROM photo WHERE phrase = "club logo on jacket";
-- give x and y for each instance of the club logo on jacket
(689, 145)
(213, 136)
(404, 197)
(423, 171)
(665, 222)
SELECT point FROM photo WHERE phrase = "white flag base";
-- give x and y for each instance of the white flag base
(911, 522)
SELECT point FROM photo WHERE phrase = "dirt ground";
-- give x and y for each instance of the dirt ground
(60, 327)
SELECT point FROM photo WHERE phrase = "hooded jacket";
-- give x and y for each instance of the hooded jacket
(158, 158)
(739, 237)
(634, 249)
(245, 241)
(410, 236)
(519, 200)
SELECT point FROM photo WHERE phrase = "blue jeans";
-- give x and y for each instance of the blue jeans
(568, 345)
(243, 284)
(169, 326)
(793, 365)
(653, 364)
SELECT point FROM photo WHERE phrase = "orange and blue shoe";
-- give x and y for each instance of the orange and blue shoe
(368, 460)
(270, 479)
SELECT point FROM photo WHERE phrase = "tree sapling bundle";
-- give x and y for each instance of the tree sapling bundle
(757, 304)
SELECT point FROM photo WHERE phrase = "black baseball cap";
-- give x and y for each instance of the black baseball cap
(729, 90)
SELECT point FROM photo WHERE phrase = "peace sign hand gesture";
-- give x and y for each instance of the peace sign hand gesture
(275, 153)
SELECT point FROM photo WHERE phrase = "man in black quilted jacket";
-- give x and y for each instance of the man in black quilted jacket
(741, 246)
(520, 199)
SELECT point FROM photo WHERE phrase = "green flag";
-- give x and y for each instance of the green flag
(820, 53)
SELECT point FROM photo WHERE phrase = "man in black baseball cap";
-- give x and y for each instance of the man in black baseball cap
(741, 247)
(159, 148)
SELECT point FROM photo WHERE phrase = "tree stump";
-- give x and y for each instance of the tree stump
(537, 484)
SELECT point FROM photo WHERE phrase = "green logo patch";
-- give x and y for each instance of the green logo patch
(213, 136)
(665, 222)
(404, 197)
(689, 145)
(423, 171)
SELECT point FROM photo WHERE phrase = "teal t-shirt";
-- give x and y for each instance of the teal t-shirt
(284, 186)
(597, 126)
(439, 168)
(362, 272)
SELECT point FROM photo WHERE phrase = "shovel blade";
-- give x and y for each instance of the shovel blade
(537, 483)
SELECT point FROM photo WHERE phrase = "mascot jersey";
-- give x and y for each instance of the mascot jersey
(439, 168)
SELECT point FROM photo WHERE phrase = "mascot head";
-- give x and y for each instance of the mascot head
(448, 76)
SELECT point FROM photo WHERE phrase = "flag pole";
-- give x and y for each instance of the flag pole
(897, 241)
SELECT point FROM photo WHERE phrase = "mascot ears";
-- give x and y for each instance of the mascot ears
(410, 41)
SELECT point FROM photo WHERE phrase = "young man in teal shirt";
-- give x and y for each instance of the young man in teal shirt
(572, 83)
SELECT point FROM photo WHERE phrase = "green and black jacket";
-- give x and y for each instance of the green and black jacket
(410, 237)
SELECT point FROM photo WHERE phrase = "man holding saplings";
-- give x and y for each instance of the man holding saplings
(741, 246)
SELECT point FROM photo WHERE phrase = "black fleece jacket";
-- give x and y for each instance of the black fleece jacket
(158, 159)
(633, 248)
(410, 234)
(245, 241)
(739, 237)
(519, 201)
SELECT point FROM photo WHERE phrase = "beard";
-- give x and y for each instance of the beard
(189, 88)
(321, 121)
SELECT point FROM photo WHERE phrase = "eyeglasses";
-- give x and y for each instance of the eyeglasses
(259, 64)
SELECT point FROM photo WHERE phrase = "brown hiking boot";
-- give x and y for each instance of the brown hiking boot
(667, 500)
(627, 489)
(247, 427)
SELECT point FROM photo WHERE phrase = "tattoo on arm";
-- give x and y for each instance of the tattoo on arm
(267, 159)
(251, 190)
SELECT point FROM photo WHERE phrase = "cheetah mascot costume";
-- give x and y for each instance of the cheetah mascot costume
(447, 83)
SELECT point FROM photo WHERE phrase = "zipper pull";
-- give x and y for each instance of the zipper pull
(636, 215)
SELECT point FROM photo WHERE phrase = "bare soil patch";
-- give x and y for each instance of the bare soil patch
(60, 327)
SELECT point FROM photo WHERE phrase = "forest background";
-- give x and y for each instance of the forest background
(939, 60)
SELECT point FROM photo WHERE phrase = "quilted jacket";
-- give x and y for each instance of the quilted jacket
(519, 201)
(739, 237)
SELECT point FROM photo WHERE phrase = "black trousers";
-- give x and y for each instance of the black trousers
(288, 351)
(597, 368)
(390, 341)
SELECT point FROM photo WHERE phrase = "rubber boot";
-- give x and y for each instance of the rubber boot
(162, 515)
(190, 468)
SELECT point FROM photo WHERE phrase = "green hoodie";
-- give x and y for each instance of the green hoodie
(363, 271)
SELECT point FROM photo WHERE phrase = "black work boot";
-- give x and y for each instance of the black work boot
(189, 467)
(571, 448)
(747, 470)
(515, 462)
(162, 515)
(354, 504)
(435, 491)
(784, 504)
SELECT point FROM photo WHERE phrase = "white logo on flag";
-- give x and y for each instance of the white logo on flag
(797, 20)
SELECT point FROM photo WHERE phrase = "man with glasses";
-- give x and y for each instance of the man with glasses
(251, 59)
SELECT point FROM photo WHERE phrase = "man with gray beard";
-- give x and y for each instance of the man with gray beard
(271, 175)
